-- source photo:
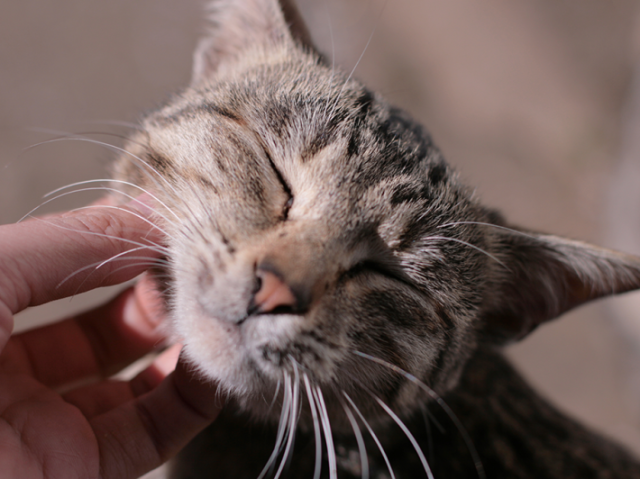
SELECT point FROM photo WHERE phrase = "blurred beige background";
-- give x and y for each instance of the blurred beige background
(532, 101)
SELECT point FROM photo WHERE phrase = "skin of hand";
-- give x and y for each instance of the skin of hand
(51, 429)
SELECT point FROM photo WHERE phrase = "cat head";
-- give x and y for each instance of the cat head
(313, 227)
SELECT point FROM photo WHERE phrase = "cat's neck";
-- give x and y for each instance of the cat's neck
(516, 433)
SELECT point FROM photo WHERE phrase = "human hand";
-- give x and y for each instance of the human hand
(106, 429)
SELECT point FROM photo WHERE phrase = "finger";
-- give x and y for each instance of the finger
(43, 259)
(104, 396)
(41, 435)
(93, 344)
(151, 377)
(144, 433)
(6, 325)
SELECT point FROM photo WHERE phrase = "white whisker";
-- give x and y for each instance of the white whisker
(151, 173)
(293, 419)
(445, 407)
(364, 459)
(275, 397)
(156, 247)
(333, 61)
(125, 124)
(102, 188)
(128, 266)
(30, 213)
(119, 255)
(366, 47)
(407, 433)
(456, 240)
(373, 435)
(120, 182)
(333, 42)
(133, 265)
(428, 417)
(326, 425)
(282, 424)
(353, 70)
(141, 261)
(67, 134)
(141, 164)
(316, 428)
(427, 426)
(481, 223)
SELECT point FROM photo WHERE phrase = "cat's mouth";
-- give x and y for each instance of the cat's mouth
(257, 350)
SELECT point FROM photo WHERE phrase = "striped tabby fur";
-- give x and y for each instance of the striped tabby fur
(404, 284)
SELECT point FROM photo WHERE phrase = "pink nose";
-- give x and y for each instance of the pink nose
(273, 293)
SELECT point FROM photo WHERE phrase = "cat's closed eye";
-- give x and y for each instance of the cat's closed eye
(285, 187)
(387, 267)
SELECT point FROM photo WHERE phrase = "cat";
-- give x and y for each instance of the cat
(350, 295)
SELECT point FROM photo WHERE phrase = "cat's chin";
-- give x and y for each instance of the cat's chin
(263, 384)
(252, 360)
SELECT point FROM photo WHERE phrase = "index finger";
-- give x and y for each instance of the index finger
(46, 259)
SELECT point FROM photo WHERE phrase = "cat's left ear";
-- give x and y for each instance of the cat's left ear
(542, 276)
(237, 25)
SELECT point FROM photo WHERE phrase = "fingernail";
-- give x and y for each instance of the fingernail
(132, 315)
(149, 300)
(155, 373)
(167, 361)
(135, 316)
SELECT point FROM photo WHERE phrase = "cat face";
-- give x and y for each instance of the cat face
(311, 226)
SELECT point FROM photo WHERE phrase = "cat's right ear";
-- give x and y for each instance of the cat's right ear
(237, 25)
(539, 277)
